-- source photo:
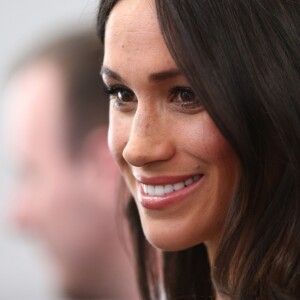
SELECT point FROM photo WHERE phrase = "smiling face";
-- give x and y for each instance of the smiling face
(181, 171)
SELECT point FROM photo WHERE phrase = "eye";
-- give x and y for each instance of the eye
(124, 95)
(121, 95)
(120, 92)
(185, 97)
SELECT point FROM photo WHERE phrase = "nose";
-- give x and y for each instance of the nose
(150, 139)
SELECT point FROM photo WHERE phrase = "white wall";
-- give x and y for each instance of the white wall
(24, 273)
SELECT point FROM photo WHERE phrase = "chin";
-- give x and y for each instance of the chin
(171, 239)
(168, 246)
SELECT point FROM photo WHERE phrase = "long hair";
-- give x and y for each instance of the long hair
(242, 59)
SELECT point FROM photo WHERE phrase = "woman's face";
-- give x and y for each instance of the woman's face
(181, 171)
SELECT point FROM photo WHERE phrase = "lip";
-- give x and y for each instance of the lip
(163, 201)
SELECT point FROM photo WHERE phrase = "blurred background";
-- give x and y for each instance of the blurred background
(25, 273)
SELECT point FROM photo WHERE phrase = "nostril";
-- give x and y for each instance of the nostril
(140, 160)
(144, 151)
(135, 156)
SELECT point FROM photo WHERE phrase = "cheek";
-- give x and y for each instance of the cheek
(203, 141)
(118, 133)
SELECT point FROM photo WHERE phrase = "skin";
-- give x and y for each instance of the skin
(154, 132)
(68, 204)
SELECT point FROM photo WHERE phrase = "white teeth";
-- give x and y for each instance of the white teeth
(189, 181)
(178, 186)
(168, 188)
(159, 190)
(145, 188)
(151, 190)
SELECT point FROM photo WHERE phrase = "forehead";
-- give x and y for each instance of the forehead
(133, 38)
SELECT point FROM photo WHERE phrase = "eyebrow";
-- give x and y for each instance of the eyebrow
(158, 76)
(108, 72)
(164, 75)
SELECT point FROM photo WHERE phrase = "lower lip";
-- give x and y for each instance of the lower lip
(160, 202)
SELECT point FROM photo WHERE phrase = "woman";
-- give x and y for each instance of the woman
(205, 127)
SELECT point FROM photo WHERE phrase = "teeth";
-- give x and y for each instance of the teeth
(169, 188)
(178, 186)
(145, 188)
(196, 178)
(189, 181)
(151, 189)
(159, 190)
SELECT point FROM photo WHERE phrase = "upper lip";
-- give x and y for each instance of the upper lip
(163, 180)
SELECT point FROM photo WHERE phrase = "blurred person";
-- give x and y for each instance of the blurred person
(67, 179)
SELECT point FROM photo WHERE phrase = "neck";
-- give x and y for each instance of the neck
(211, 251)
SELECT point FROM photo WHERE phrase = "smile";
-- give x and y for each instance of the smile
(159, 190)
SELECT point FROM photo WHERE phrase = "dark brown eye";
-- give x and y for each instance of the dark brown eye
(124, 95)
(121, 96)
(186, 96)
(120, 93)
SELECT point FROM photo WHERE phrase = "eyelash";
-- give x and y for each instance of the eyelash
(175, 91)
(112, 92)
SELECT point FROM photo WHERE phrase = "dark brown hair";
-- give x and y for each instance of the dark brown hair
(242, 59)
